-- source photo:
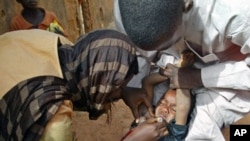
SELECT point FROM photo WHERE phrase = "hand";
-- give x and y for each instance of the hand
(150, 130)
(186, 77)
(134, 97)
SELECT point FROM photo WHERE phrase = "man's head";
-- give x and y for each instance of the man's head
(150, 23)
(107, 62)
(166, 108)
(28, 3)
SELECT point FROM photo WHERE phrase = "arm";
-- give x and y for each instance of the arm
(235, 67)
(150, 81)
(150, 130)
(227, 75)
(183, 104)
(17, 24)
(183, 99)
(133, 98)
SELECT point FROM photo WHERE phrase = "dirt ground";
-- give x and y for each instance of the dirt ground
(99, 130)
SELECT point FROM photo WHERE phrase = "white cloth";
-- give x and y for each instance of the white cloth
(214, 112)
(214, 26)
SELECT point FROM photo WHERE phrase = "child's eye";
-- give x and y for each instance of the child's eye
(173, 108)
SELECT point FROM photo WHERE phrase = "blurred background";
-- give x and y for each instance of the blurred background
(77, 16)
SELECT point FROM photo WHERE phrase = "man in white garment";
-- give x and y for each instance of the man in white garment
(218, 32)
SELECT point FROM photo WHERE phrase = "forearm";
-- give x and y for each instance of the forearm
(183, 104)
(234, 75)
(189, 78)
(150, 81)
(153, 79)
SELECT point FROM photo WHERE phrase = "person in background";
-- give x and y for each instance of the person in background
(46, 77)
(218, 32)
(33, 16)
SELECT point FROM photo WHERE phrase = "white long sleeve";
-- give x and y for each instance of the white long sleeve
(221, 24)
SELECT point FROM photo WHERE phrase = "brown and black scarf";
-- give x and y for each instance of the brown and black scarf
(98, 63)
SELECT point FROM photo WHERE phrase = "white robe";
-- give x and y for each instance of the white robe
(215, 26)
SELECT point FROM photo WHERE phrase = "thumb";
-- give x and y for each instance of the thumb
(169, 65)
(151, 120)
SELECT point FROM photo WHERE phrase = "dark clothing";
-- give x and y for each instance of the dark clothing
(26, 108)
(97, 64)
(176, 132)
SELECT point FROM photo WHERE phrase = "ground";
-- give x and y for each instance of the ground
(99, 130)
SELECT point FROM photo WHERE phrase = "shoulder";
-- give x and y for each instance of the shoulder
(49, 13)
(18, 22)
(16, 18)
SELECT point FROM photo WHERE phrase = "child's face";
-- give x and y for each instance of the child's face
(166, 107)
(29, 3)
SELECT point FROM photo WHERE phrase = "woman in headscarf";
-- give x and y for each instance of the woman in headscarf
(44, 74)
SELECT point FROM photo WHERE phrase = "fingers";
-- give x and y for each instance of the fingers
(171, 71)
(188, 5)
(171, 85)
(163, 132)
(159, 122)
(161, 126)
(151, 120)
(136, 113)
(168, 70)
(150, 108)
(158, 127)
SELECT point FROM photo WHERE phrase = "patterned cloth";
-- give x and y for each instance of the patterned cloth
(96, 65)
(36, 101)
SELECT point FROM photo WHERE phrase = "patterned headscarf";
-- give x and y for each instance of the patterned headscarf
(98, 63)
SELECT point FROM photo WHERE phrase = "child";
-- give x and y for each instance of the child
(173, 107)
(36, 17)
(166, 110)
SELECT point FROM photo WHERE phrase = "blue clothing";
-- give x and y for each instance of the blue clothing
(176, 132)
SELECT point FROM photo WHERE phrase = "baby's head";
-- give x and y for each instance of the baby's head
(166, 107)
(28, 3)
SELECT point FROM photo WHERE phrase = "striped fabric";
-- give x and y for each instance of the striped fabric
(26, 108)
(97, 64)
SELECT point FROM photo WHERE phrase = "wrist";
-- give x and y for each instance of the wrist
(190, 78)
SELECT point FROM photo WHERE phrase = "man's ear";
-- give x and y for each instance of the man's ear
(188, 4)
